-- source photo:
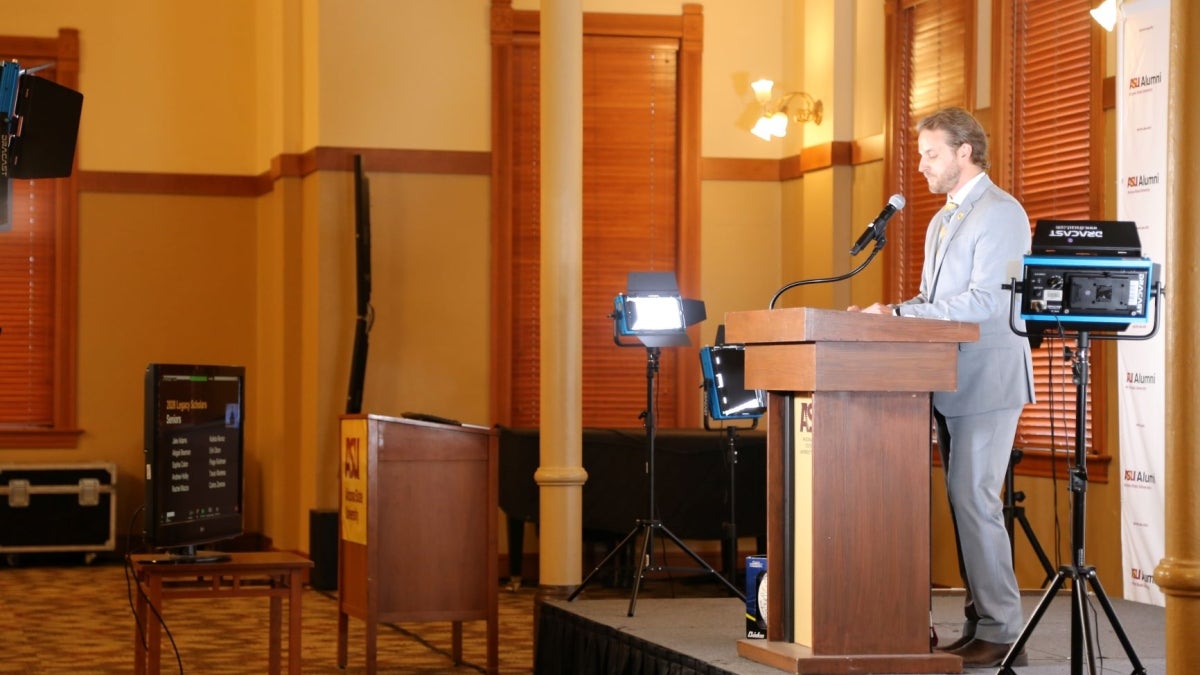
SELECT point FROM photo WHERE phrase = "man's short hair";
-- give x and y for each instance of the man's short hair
(960, 127)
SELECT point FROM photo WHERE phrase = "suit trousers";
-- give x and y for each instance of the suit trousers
(975, 452)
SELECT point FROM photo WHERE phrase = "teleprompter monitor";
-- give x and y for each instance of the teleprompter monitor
(194, 420)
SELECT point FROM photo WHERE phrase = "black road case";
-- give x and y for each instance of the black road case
(50, 508)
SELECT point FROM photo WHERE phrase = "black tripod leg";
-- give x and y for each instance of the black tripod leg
(1037, 547)
(1138, 668)
(643, 560)
(700, 561)
(611, 554)
(1027, 631)
(1013, 514)
(1081, 630)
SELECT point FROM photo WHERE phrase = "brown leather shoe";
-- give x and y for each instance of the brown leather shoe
(983, 654)
(957, 644)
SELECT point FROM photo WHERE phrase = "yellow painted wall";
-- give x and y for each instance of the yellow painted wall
(168, 87)
(431, 331)
(404, 74)
(740, 272)
(278, 388)
(740, 46)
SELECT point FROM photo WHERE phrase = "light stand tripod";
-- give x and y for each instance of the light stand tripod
(647, 527)
(1078, 571)
(1014, 514)
(730, 545)
(726, 399)
(1071, 279)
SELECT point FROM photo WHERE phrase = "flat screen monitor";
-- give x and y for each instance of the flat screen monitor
(194, 417)
(726, 396)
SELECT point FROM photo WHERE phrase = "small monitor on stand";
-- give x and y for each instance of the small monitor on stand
(194, 417)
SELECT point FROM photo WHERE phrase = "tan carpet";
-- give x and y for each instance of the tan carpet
(77, 619)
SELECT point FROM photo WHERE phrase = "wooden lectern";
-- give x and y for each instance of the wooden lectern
(848, 470)
(418, 528)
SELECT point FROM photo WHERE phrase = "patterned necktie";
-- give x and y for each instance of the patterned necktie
(947, 212)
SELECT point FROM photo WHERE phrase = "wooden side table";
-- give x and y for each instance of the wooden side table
(273, 574)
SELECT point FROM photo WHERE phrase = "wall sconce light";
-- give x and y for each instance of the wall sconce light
(794, 106)
(1106, 14)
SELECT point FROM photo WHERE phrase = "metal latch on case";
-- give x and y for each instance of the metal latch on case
(18, 493)
(89, 491)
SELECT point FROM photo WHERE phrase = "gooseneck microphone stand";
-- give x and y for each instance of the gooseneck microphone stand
(648, 526)
(1079, 572)
(880, 241)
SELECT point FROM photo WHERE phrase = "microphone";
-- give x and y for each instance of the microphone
(875, 230)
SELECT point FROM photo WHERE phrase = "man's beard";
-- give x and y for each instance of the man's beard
(943, 184)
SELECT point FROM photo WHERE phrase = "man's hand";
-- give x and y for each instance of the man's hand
(878, 308)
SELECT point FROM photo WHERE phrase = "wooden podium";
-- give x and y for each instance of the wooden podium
(418, 528)
(848, 471)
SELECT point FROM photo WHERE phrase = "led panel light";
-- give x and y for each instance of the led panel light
(1087, 292)
(653, 314)
(726, 396)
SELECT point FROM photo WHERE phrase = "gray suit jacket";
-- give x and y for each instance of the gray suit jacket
(961, 281)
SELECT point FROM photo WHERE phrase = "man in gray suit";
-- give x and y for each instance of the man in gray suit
(968, 247)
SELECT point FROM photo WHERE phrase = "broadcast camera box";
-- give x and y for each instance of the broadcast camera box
(756, 596)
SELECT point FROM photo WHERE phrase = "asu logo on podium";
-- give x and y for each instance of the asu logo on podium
(804, 425)
(354, 481)
(352, 451)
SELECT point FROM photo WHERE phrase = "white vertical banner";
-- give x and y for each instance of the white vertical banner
(1142, 71)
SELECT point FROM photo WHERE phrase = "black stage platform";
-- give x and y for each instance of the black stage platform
(684, 635)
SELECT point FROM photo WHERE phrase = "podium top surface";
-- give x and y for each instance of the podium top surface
(807, 324)
(418, 420)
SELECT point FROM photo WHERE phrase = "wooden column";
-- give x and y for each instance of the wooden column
(1178, 575)
(560, 475)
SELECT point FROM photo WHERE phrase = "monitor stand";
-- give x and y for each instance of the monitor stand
(187, 555)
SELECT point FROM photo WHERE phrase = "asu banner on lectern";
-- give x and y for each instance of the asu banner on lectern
(802, 574)
(354, 481)
(1142, 73)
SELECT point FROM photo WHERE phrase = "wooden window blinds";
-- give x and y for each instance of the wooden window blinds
(629, 220)
(1044, 117)
(37, 282)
